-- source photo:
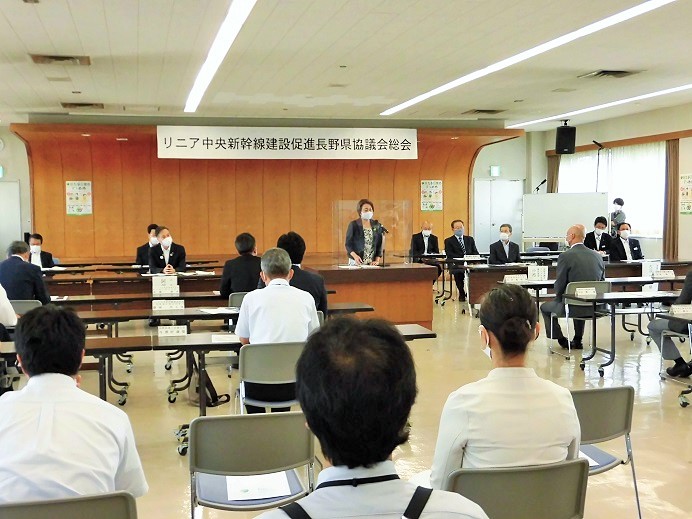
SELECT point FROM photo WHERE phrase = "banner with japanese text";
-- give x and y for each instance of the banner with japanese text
(219, 142)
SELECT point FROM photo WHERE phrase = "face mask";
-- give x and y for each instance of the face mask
(567, 243)
(153, 241)
(426, 233)
(459, 232)
(597, 231)
(616, 207)
(35, 249)
(624, 234)
(166, 242)
(366, 215)
(504, 236)
(488, 352)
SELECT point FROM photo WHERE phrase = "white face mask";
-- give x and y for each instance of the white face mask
(153, 241)
(567, 243)
(616, 207)
(597, 231)
(504, 236)
(366, 215)
(426, 233)
(35, 249)
(166, 242)
(624, 234)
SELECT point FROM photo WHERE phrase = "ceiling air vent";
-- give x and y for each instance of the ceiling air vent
(608, 73)
(82, 106)
(482, 111)
(45, 59)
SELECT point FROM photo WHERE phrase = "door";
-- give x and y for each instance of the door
(496, 202)
(10, 213)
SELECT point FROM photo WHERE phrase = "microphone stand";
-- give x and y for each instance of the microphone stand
(384, 251)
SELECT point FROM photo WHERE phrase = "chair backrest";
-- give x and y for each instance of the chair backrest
(116, 505)
(241, 445)
(269, 363)
(601, 288)
(22, 306)
(604, 413)
(538, 249)
(557, 490)
(236, 299)
(320, 317)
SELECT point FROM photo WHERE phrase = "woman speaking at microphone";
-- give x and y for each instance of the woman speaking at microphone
(364, 236)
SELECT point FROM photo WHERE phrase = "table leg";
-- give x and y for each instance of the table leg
(102, 377)
(202, 384)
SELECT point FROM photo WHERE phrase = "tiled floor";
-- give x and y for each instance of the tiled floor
(662, 436)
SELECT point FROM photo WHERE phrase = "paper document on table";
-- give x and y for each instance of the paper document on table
(350, 267)
(58, 298)
(216, 292)
(221, 310)
(55, 268)
(204, 272)
(592, 462)
(262, 486)
(224, 337)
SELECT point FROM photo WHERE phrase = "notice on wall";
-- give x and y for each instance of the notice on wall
(224, 142)
(431, 195)
(78, 199)
(685, 194)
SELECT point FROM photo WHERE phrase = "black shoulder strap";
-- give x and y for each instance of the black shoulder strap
(295, 511)
(417, 503)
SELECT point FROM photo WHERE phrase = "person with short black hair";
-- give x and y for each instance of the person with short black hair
(504, 250)
(512, 417)
(457, 246)
(364, 236)
(598, 239)
(617, 216)
(142, 257)
(623, 247)
(356, 384)
(166, 257)
(59, 441)
(21, 279)
(39, 257)
(241, 274)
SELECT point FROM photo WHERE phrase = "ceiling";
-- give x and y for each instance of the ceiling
(336, 60)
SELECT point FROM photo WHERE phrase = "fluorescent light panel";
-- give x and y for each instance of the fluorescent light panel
(238, 13)
(605, 105)
(625, 15)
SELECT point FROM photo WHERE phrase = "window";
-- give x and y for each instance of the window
(634, 173)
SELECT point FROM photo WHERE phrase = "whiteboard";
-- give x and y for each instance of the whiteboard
(10, 215)
(550, 215)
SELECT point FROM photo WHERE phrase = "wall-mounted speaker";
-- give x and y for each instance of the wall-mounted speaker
(565, 137)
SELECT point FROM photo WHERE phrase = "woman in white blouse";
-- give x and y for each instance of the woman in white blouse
(8, 316)
(512, 417)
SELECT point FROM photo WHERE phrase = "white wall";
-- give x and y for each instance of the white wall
(14, 159)
(509, 155)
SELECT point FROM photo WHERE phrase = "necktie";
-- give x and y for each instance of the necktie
(461, 242)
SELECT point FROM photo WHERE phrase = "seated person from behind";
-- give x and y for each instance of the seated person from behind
(294, 244)
(458, 246)
(277, 313)
(577, 263)
(21, 279)
(8, 316)
(361, 424)
(668, 349)
(58, 440)
(142, 257)
(40, 258)
(241, 274)
(504, 251)
(624, 248)
(598, 239)
(512, 417)
(166, 257)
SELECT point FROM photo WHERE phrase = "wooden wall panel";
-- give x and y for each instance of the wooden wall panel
(165, 196)
(249, 213)
(108, 199)
(76, 165)
(303, 198)
(276, 189)
(137, 193)
(407, 187)
(48, 195)
(194, 206)
(327, 190)
(222, 206)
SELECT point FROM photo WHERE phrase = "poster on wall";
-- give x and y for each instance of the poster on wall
(431, 195)
(685, 194)
(78, 197)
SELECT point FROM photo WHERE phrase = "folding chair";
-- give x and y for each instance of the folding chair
(682, 397)
(320, 317)
(22, 306)
(234, 300)
(605, 414)
(267, 364)
(580, 310)
(246, 445)
(115, 505)
(557, 490)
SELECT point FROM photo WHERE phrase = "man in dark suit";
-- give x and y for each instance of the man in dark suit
(40, 258)
(425, 242)
(21, 279)
(457, 246)
(575, 264)
(622, 247)
(504, 250)
(166, 257)
(241, 274)
(142, 257)
(598, 239)
(294, 244)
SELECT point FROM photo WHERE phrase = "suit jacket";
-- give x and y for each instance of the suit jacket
(590, 241)
(453, 248)
(685, 298)
(498, 256)
(355, 238)
(176, 259)
(617, 250)
(142, 257)
(46, 260)
(311, 283)
(418, 245)
(22, 280)
(578, 263)
(240, 274)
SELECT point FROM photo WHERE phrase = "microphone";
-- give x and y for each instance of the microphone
(539, 185)
(384, 229)
(600, 146)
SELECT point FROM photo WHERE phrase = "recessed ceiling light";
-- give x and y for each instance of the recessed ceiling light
(622, 16)
(237, 14)
(605, 105)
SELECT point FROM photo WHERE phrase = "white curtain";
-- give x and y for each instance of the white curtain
(634, 173)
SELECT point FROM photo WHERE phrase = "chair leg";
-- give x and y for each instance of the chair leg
(630, 457)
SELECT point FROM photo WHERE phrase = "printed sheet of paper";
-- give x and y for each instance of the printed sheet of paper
(262, 486)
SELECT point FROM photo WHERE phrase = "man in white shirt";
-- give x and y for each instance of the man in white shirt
(8, 317)
(57, 440)
(277, 313)
(356, 383)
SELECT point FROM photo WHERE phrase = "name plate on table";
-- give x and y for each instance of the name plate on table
(515, 279)
(473, 257)
(649, 267)
(538, 273)
(664, 274)
(165, 285)
(585, 292)
(168, 304)
(172, 331)
(680, 309)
